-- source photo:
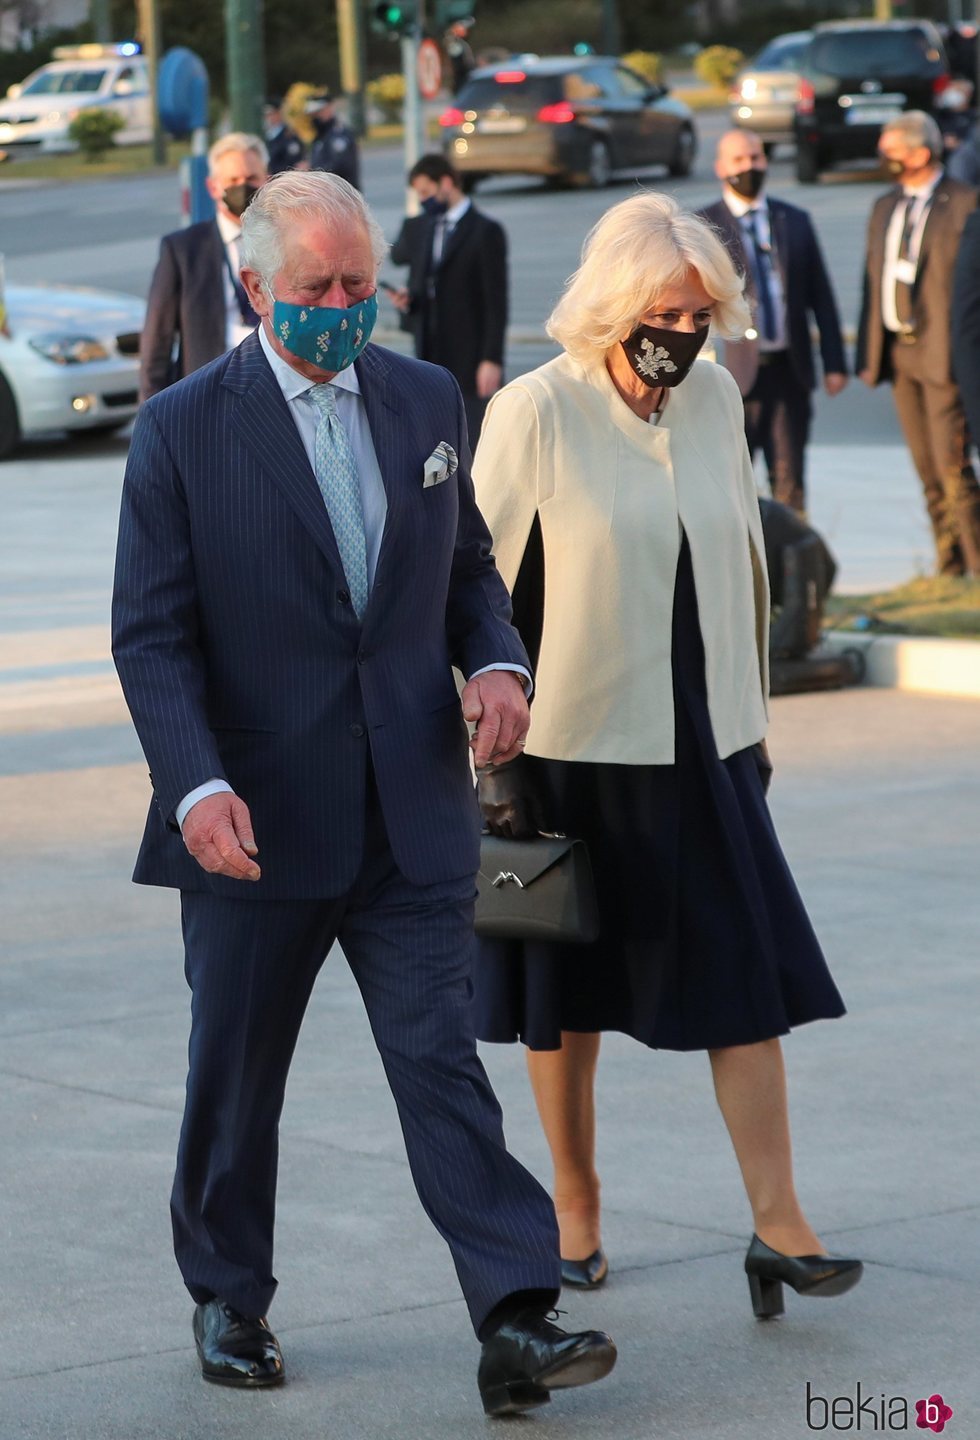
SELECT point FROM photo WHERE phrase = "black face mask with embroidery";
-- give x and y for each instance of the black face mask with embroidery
(663, 357)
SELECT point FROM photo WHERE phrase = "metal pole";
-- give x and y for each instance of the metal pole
(101, 23)
(414, 121)
(350, 30)
(612, 41)
(149, 25)
(883, 9)
(245, 51)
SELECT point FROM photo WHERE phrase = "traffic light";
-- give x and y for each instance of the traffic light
(450, 12)
(394, 18)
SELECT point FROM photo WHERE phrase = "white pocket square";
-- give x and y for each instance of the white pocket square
(442, 463)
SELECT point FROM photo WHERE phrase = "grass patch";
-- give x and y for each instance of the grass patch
(942, 605)
(122, 160)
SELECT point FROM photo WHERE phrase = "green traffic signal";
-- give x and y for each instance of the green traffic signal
(394, 17)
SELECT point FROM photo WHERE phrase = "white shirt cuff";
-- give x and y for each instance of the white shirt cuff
(516, 670)
(210, 787)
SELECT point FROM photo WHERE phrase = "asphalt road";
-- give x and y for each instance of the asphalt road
(106, 233)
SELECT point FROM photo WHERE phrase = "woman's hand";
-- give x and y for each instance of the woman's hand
(508, 802)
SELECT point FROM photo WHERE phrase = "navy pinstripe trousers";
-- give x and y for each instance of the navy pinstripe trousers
(251, 966)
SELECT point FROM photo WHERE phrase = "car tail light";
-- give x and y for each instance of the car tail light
(510, 77)
(451, 117)
(561, 113)
(939, 84)
(805, 98)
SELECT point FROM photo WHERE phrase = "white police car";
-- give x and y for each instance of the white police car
(37, 113)
(69, 360)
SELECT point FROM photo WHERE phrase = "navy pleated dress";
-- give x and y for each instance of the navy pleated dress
(704, 939)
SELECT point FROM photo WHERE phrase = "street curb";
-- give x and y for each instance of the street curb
(926, 665)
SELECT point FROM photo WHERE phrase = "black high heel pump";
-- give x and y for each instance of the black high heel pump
(768, 1270)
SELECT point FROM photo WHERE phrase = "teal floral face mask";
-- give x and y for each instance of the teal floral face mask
(324, 335)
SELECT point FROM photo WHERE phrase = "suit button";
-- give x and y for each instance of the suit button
(343, 596)
(357, 731)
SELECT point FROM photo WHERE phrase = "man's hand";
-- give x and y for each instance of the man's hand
(834, 382)
(488, 377)
(495, 701)
(218, 833)
(866, 376)
(400, 299)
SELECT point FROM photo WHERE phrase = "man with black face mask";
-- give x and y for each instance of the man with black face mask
(774, 245)
(197, 306)
(904, 333)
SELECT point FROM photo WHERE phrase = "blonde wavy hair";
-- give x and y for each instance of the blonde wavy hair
(639, 249)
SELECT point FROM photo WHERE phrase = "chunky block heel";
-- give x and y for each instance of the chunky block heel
(767, 1297)
(513, 1397)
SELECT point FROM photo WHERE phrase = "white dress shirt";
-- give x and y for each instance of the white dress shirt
(235, 330)
(758, 213)
(374, 500)
(903, 270)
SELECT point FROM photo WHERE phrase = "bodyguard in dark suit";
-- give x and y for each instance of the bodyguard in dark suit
(904, 331)
(455, 303)
(286, 149)
(197, 307)
(300, 564)
(774, 245)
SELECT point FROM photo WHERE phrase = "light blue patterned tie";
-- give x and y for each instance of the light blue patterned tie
(337, 477)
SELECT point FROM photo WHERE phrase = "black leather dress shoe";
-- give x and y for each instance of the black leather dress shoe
(236, 1349)
(586, 1274)
(528, 1356)
(767, 1270)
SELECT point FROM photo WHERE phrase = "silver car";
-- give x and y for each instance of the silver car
(69, 360)
(764, 95)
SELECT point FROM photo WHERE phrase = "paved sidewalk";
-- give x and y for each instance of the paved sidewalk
(876, 799)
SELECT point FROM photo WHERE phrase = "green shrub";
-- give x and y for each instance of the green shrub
(94, 131)
(388, 93)
(718, 65)
(646, 63)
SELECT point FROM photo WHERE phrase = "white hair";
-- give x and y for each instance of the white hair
(639, 249)
(237, 143)
(313, 194)
(916, 128)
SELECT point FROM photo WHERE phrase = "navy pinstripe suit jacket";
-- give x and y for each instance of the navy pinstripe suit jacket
(241, 656)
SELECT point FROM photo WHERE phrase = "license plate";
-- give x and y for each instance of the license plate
(503, 125)
(784, 97)
(872, 115)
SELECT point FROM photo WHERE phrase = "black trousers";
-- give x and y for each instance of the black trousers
(251, 966)
(777, 422)
(934, 425)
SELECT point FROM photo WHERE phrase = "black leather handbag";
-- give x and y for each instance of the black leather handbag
(537, 889)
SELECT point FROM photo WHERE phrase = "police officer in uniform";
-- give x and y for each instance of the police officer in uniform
(335, 146)
(286, 150)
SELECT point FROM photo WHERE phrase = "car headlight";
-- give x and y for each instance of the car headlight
(69, 349)
(749, 89)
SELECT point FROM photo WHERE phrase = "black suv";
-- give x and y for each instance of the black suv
(856, 76)
(573, 120)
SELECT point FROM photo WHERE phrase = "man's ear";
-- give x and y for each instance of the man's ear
(257, 294)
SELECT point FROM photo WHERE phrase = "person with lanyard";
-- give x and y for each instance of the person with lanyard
(904, 333)
(455, 302)
(197, 306)
(774, 245)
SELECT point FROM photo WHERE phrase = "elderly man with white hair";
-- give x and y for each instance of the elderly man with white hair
(301, 563)
(197, 306)
(904, 335)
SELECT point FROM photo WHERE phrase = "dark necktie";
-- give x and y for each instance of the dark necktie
(761, 271)
(903, 291)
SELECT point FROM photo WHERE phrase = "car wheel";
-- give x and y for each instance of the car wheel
(808, 164)
(9, 420)
(599, 172)
(684, 152)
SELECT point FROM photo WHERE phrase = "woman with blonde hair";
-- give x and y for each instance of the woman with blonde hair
(619, 490)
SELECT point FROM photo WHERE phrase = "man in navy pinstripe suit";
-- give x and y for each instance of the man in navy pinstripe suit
(300, 564)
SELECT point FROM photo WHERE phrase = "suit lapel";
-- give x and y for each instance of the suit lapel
(935, 220)
(383, 405)
(262, 418)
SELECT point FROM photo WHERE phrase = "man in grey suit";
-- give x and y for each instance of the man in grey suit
(197, 307)
(904, 332)
(301, 563)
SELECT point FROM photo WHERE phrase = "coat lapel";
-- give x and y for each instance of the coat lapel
(935, 221)
(265, 424)
(383, 405)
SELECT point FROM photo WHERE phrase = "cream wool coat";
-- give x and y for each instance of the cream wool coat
(613, 494)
